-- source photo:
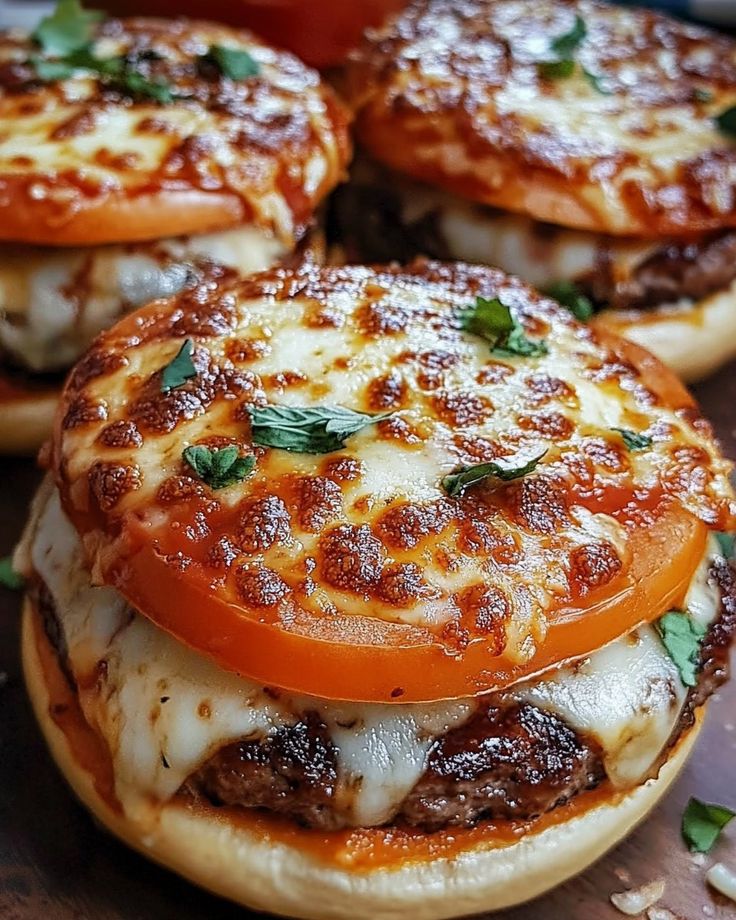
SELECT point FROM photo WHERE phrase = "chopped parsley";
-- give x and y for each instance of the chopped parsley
(9, 578)
(681, 635)
(179, 369)
(726, 121)
(66, 38)
(566, 44)
(308, 429)
(234, 63)
(595, 81)
(702, 824)
(493, 321)
(569, 295)
(726, 543)
(456, 483)
(557, 70)
(219, 468)
(564, 48)
(633, 439)
(67, 29)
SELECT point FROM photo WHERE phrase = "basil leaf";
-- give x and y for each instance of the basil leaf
(68, 28)
(557, 70)
(218, 468)
(50, 71)
(634, 440)
(308, 430)
(726, 121)
(9, 578)
(569, 295)
(135, 85)
(564, 45)
(456, 483)
(595, 81)
(179, 369)
(681, 635)
(726, 543)
(493, 321)
(234, 63)
(702, 824)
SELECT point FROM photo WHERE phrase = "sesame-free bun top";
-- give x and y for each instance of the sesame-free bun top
(454, 94)
(84, 162)
(359, 573)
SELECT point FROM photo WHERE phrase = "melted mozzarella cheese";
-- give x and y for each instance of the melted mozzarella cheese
(539, 253)
(53, 302)
(629, 695)
(163, 710)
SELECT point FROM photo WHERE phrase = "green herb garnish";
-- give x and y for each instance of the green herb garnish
(308, 430)
(564, 45)
(702, 95)
(456, 483)
(179, 369)
(219, 468)
(557, 70)
(633, 439)
(595, 81)
(493, 321)
(569, 295)
(702, 824)
(726, 543)
(69, 28)
(726, 121)
(234, 63)
(134, 84)
(9, 578)
(681, 636)
(66, 36)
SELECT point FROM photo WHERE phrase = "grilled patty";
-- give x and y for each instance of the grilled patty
(508, 761)
(690, 269)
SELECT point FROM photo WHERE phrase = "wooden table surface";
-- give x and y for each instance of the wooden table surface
(56, 864)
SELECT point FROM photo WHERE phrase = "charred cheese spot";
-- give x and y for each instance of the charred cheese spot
(109, 482)
(368, 530)
(262, 523)
(260, 586)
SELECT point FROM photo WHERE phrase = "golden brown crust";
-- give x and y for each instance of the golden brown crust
(26, 416)
(81, 162)
(298, 534)
(453, 94)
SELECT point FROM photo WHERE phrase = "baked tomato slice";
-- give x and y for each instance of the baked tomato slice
(333, 481)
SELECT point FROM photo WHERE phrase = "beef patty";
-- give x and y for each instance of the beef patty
(508, 760)
(679, 269)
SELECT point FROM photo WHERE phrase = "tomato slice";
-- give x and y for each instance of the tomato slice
(366, 659)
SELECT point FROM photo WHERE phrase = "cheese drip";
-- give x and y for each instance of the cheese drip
(163, 710)
(53, 302)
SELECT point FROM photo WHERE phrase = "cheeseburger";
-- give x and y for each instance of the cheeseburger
(401, 599)
(587, 147)
(137, 156)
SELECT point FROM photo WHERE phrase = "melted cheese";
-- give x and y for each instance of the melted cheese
(53, 302)
(272, 144)
(163, 710)
(457, 95)
(541, 254)
(335, 337)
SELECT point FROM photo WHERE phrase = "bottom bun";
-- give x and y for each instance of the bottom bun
(694, 340)
(270, 874)
(25, 421)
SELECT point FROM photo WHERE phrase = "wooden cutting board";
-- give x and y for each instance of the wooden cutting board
(57, 864)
